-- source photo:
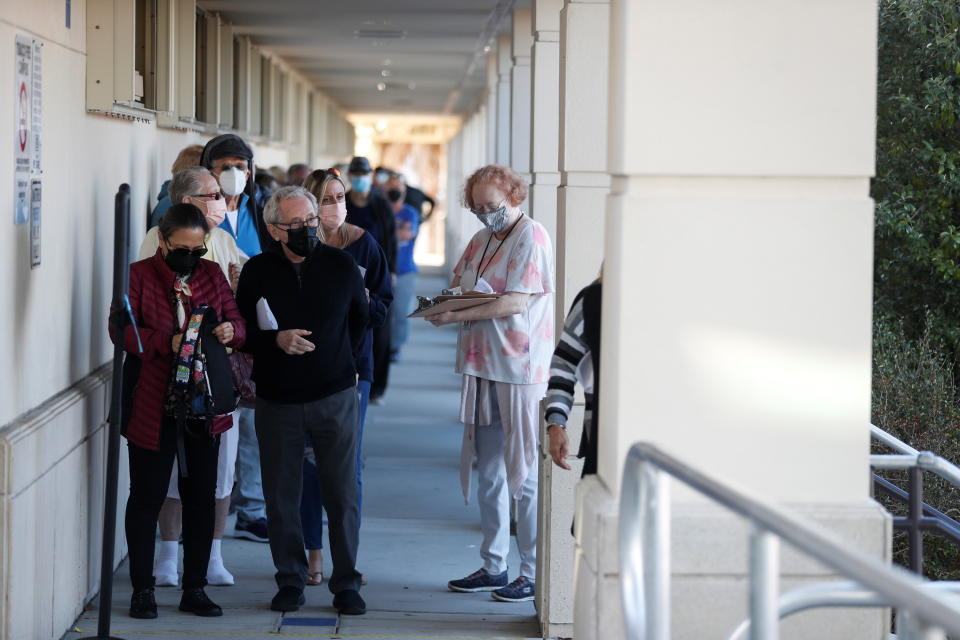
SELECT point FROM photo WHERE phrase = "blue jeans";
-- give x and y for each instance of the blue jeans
(404, 294)
(311, 503)
(248, 499)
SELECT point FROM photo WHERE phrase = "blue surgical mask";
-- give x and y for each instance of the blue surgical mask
(361, 184)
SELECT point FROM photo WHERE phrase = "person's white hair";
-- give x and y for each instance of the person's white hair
(271, 212)
(186, 182)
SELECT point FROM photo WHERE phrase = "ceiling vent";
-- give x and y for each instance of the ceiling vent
(380, 34)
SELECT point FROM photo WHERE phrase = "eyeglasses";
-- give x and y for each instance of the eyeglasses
(196, 253)
(481, 211)
(206, 196)
(226, 166)
(312, 221)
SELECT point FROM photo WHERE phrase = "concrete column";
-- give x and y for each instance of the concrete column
(545, 118)
(737, 292)
(491, 109)
(521, 43)
(504, 81)
(581, 81)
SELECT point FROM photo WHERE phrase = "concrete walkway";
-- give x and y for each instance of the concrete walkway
(417, 534)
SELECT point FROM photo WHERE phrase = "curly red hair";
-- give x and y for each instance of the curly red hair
(506, 179)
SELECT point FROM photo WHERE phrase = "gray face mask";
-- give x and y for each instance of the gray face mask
(496, 221)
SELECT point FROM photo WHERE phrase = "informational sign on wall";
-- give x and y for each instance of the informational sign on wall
(22, 143)
(36, 198)
(36, 121)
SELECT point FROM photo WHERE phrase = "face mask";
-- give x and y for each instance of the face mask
(361, 184)
(302, 241)
(333, 215)
(215, 211)
(183, 261)
(496, 221)
(395, 195)
(382, 177)
(232, 181)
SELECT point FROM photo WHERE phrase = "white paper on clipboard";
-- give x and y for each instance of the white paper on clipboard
(266, 321)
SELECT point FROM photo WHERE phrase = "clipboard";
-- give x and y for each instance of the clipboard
(451, 303)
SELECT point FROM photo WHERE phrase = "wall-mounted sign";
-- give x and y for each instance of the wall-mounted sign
(22, 110)
(36, 198)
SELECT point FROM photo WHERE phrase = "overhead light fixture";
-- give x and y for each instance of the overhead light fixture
(486, 49)
(412, 86)
(387, 62)
(386, 73)
(381, 86)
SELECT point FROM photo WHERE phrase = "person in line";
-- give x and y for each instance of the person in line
(405, 291)
(197, 186)
(266, 183)
(230, 160)
(189, 156)
(504, 355)
(370, 211)
(297, 173)
(328, 188)
(576, 358)
(164, 289)
(306, 313)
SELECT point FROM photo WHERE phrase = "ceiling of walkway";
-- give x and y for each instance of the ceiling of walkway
(404, 56)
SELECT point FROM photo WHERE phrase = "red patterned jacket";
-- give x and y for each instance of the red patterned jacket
(151, 290)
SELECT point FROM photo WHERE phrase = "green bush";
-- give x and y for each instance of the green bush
(915, 398)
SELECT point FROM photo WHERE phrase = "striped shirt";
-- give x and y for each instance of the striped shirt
(571, 363)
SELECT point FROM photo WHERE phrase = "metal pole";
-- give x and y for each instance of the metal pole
(121, 275)
(916, 516)
(655, 524)
(764, 585)
(909, 627)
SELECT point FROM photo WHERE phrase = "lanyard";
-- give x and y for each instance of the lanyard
(480, 271)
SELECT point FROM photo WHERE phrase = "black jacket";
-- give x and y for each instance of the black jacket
(386, 223)
(327, 298)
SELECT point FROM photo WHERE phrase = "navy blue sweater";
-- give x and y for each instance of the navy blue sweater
(368, 254)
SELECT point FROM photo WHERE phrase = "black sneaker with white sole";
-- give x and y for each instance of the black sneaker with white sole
(522, 589)
(477, 581)
(255, 530)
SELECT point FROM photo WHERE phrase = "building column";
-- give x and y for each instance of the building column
(521, 42)
(504, 107)
(578, 241)
(545, 116)
(737, 293)
(490, 133)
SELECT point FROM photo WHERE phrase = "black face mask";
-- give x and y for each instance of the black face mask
(302, 241)
(395, 195)
(183, 261)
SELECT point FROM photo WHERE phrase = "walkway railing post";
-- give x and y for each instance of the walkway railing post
(655, 524)
(916, 518)
(764, 585)
(121, 276)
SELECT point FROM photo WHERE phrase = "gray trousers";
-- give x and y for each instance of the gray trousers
(282, 431)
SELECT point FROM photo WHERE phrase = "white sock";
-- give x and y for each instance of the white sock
(165, 566)
(217, 574)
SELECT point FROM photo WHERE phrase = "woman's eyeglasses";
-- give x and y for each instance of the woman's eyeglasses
(196, 253)
(207, 196)
(312, 221)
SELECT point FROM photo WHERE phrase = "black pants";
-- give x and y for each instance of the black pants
(381, 360)
(283, 431)
(149, 479)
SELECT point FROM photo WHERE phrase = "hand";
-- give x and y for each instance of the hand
(559, 445)
(292, 342)
(175, 343)
(440, 319)
(234, 270)
(224, 332)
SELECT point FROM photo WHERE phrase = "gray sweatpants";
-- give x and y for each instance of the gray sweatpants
(282, 430)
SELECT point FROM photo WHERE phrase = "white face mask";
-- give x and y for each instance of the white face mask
(232, 181)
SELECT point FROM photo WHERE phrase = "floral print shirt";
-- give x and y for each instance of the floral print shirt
(515, 349)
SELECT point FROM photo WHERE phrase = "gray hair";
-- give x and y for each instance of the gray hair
(271, 212)
(186, 182)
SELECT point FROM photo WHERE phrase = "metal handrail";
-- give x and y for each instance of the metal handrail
(645, 562)
(835, 594)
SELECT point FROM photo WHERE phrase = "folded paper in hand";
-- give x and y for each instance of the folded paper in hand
(266, 321)
(432, 306)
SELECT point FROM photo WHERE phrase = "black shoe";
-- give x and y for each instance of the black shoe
(255, 530)
(349, 603)
(288, 599)
(196, 601)
(143, 605)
